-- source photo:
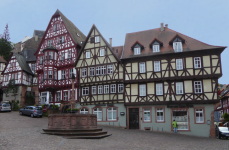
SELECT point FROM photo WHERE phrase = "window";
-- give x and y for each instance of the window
(197, 87)
(50, 74)
(63, 74)
(33, 67)
(102, 52)
(199, 113)
(93, 90)
(113, 88)
(112, 114)
(66, 96)
(177, 46)
(49, 42)
(69, 54)
(197, 62)
(100, 89)
(109, 69)
(50, 55)
(46, 56)
(45, 74)
(88, 54)
(12, 77)
(41, 60)
(58, 96)
(61, 39)
(50, 97)
(181, 117)
(137, 50)
(70, 73)
(179, 88)
(97, 70)
(92, 71)
(147, 117)
(96, 39)
(160, 115)
(157, 66)
(84, 72)
(159, 90)
(179, 64)
(57, 27)
(106, 89)
(55, 75)
(103, 69)
(98, 112)
(120, 88)
(156, 48)
(62, 56)
(142, 89)
(54, 28)
(85, 91)
(16, 76)
(83, 111)
(142, 67)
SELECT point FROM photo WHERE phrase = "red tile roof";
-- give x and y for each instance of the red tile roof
(146, 38)
(2, 60)
(118, 49)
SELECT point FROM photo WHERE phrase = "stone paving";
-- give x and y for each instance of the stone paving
(24, 133)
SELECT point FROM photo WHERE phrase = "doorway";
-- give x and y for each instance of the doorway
(133, 118)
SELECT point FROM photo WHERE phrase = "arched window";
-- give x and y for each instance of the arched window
(83, 111)
(98, 112)
(112, 114)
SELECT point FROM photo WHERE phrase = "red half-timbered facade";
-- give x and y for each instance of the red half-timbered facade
(56, 55)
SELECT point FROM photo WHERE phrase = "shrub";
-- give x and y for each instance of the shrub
(226, 116)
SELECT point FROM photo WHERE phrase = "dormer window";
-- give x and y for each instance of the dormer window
(156, 45)
(156, 48)
(177, 46)
(137, 50)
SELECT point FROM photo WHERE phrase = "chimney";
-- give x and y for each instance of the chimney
(166, 25)
(110, 41)
(162, 27)
(36, 37)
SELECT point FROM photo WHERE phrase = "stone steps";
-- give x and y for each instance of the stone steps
(73, 130)
(88, 137)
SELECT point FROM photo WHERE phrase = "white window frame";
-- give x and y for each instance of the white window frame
(84, 111)
(103, 70)
(96, 39)
(62, 55)
(177, 46)
(65, 95)
(93, 90)
(57, 96)
(98, 71)
(197, 62)
(62, 39)
(113, 88)
(100, 89)
(198, 87)
(97, 111)
(69, 54)
(50, 74)
(106, 89)
(142, 90)
(102, 52)
(142, 67)
(88, 54)
(109, 69)
(147, 111)
(84, 72)
(92, 71)
(120, 88)
(199, 111)
(179, 88)
(156, 48)
(50, 55)
(112, 110)
(179, 64)
(85, 91)
(137, 50)
(159, 89)
(70, 73)
(160, 110)
(62, 74)
(157, 66)
(55, 75)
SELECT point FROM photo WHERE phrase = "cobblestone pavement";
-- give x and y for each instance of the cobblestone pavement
(24, 133)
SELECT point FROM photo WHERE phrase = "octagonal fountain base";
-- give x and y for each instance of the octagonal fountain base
(72, 126)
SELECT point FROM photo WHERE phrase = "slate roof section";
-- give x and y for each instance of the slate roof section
(2, 60)
(76, 34)
(31, 43)
(17, 47)
(146, 38)
(22, 62)
(29, 55)
(118, 51)
(39, 33)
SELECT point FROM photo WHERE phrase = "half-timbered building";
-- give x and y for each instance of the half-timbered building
(56, 55)
(170, 76)
(100, 80)
(223, 106)
(2, 66)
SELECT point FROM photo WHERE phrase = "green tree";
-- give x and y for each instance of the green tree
(11, 88)
(5, 48)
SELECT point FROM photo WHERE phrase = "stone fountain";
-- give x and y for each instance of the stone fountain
(73, 126)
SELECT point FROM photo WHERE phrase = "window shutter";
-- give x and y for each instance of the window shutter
(66, 55)
(74, 71)
(92, 40)
(59, 74)
(61, 95)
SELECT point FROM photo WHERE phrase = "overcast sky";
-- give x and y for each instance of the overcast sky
(204, 20)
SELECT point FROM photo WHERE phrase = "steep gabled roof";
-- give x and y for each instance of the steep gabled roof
(22, 62)
(85, 42)
(146, 37)
(32, 44)
(29, 55)
(2, 60)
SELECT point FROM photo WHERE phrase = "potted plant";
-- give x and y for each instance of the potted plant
(69, 110)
